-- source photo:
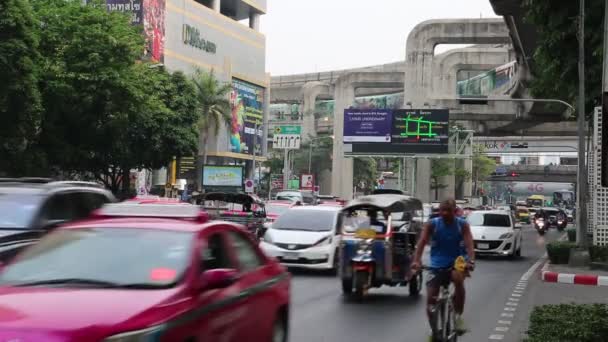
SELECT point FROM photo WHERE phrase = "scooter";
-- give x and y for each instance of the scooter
(541, 226)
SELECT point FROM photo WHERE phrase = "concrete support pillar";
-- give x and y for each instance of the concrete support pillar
(342, 168)
(310, 92)
(450, 183)
(216, 5)
(409, 167)
(423, 180)
(254, 21)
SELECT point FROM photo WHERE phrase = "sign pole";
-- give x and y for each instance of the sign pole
(285, 169)
(255, 142)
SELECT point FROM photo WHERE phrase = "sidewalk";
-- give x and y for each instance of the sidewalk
(539, 292)
(573, 275)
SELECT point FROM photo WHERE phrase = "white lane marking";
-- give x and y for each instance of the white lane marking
(565, 278)
(518, 291)
(514, 299)
(602, 281)
(496, 337)
(515, 294)
(502, 329)
(507, 314)
(511, 304)
(533, 268)
(504, 322)
(510, 309)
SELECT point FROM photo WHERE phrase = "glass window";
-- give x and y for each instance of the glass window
(215, 255)
(60, 207)
(489, 220)
(104, 255)
(276, 209)
(245, 252)
(18, 210)
(307, 220)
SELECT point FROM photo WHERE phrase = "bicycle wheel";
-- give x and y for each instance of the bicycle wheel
(449, 322)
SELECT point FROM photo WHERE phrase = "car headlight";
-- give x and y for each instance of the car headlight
(505, 236)
(324, 241)
(145, 335)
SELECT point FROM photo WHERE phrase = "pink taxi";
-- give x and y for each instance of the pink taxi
(144, 273)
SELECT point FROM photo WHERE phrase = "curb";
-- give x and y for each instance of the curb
(578, 279)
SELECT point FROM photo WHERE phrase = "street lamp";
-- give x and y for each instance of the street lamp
(310, 150)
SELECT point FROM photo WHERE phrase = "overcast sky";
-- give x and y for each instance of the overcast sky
(321, 35)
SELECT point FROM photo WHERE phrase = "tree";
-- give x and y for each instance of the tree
(213, 112)
(482, 167)
(365, 172)
(105, 112)
(440, 168)
(556, 56)
(19, 95)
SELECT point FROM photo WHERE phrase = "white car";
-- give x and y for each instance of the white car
(495, 232)
(305, 237)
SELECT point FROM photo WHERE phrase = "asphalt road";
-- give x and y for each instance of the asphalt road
(320, 313)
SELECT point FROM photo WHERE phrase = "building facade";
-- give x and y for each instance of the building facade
(221, 36)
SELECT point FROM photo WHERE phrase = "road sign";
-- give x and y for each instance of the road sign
(276, 181)
(286, 141)
(248, 186)
(288, 130)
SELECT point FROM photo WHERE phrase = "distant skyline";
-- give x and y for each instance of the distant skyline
(321, 35)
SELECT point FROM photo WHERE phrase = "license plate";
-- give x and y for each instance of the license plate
(483, 245)
(291, 256)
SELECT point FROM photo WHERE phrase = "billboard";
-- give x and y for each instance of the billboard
(247, 104)
(411, 131)
(222, 176)
(150, 14)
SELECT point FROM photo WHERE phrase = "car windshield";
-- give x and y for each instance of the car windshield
(18, 210)
(307, 220)
(103, 256)
(292, 195)
(489, 220)
(276, 209)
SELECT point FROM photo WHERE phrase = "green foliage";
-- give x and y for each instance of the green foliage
(482, 166)
(103, 112)
(559, 251)
(571, 234)
(555, 59)
(365, 173)
(19, 95)
(322, 149)
(598, 253)
(569, 323)
(440, 168)
(214, 107)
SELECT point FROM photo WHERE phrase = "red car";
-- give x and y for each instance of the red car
(144, 273)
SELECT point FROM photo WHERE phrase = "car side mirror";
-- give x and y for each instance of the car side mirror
(217, 279)
(517, 226)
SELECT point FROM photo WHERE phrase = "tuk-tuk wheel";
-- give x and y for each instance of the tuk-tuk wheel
(347, 286)
(416, 284)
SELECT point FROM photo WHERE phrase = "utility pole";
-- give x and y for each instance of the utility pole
(255, 143)
(581, 217)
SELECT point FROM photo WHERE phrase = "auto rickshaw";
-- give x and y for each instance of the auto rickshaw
(245, 209)
(379, 236)
(523, 214)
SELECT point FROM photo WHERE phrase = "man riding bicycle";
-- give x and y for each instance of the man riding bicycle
(450, 237)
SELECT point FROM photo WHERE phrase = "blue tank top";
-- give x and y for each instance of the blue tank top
(447, 243)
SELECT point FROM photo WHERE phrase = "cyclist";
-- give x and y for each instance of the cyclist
(450, 237)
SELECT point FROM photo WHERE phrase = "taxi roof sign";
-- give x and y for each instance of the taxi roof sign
(185, 211)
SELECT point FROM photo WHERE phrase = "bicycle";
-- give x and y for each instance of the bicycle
(443, 315)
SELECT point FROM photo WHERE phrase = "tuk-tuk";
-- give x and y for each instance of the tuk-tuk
(379, 236)
(523, 214)
(244, 209)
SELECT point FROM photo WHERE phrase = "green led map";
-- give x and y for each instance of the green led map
(422, 128)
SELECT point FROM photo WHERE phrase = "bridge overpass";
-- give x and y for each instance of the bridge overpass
(538, 173)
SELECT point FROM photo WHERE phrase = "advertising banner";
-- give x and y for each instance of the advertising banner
(247, 103)
(276, 181)
(411, 131)
(367, 125)
(150, 14)
(307, 182)
(222, 176)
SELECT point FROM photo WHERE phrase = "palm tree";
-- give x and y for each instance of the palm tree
(213, 110)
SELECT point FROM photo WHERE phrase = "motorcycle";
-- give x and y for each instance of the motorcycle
(541, 226)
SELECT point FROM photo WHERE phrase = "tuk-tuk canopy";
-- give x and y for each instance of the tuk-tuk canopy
(390, 203)
(238, 198)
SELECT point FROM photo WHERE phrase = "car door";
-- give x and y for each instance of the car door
(219, 312)
(255, 285)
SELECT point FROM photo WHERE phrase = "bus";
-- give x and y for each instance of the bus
(535, 201)
(564, 198)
